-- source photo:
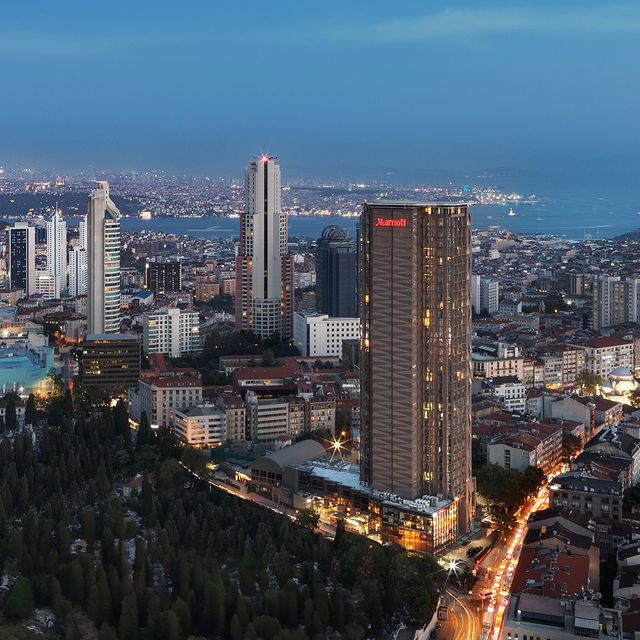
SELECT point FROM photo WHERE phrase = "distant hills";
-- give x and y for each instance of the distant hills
(630, 235)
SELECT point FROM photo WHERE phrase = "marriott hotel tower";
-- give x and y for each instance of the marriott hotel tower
(416, 351)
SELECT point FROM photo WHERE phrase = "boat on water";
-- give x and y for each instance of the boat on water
(233, 215)
(511, 212)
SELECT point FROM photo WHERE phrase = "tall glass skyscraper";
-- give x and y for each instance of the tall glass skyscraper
(416, 352)
(337, 274)
(264, 270)
(22, 257)
(103, 257)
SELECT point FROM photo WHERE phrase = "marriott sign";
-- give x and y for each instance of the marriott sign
(390, 222)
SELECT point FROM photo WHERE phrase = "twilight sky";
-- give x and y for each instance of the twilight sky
(334, 88)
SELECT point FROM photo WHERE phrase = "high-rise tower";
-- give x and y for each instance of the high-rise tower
(78, 263)
(337, 274)
(57, 252)
(103, 258)
(264, 270)
(416, 351)
(22, 257)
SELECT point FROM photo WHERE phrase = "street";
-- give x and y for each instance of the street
(479, 613)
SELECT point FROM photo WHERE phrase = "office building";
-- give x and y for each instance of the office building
(103, 258)
(416, 353)
(337, 274)
(264, 270)
(110, 362)
(173, 332)
(163, 277)
(319, 335)
(22, 257)
(57, 252)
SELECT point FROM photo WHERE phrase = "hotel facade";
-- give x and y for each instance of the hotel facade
(415, 283)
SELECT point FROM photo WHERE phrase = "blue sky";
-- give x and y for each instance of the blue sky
(333, 88)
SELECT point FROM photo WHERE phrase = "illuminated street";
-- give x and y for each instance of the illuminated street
(479, 613)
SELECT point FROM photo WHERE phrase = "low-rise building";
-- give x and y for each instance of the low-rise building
(321, 414)
(202, 426)
(160, 395)
(235, 417)
(510, 391)
(321, 335)
(560, 617)
(604, 353)
(530, 444)
(589, 496)
(267, 418)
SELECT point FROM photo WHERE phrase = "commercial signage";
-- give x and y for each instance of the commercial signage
(391, 222)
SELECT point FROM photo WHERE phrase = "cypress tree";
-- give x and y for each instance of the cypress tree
(30, 411)
(128, 625)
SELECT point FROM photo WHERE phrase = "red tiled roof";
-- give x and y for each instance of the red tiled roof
(550, 573)
(600, 342)
(263, 373)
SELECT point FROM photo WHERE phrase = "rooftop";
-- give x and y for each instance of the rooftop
(108, 337)
(550, 573)
(601, 342)
(419, 203)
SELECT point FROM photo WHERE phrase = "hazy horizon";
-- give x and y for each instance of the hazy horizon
(359, 91)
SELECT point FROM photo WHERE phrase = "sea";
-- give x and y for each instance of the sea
(570, 211)
(574, 211)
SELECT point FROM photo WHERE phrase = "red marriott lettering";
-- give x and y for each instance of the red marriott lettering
(390, 222)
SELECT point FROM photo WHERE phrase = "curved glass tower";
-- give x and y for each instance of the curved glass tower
(103, 256)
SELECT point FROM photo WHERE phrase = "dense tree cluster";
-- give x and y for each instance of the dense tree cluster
(508, 489)
(571, 446)
(177, 559)
(588, 384)
(244, 343)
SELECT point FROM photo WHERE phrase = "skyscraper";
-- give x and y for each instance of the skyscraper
(264, 270)
(337, 274)
(22, 257)
(78, 263)
(57, 252)
(416, 351)
(103, 258)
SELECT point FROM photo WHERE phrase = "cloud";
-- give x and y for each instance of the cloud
(611, 19)
(620, 18)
